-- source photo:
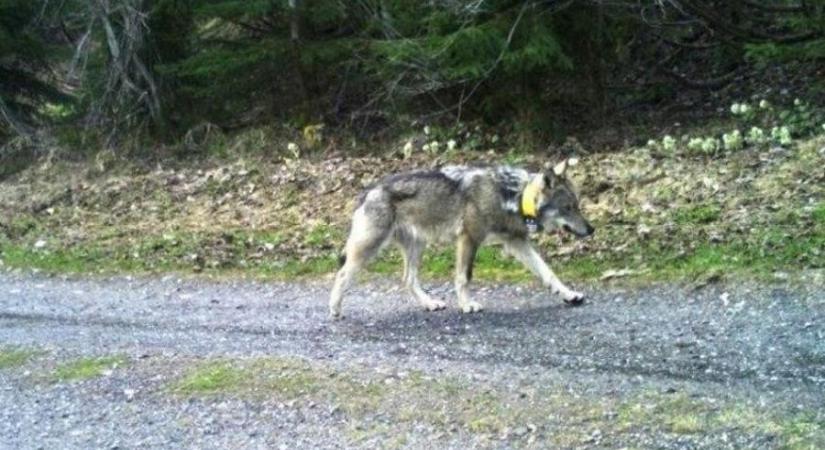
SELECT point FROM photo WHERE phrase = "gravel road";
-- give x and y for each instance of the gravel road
(739, 365)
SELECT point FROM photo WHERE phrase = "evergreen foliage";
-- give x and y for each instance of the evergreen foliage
(170, 65)
(26, 84)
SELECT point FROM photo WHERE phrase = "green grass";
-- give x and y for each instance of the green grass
(682, 414)
(235, 252)
(286, 377)
(279, 377)
(323, 235)
(803, 431)
(818, 214)
(211, 378)
(698, 214)
(86, 368)
(15, 357)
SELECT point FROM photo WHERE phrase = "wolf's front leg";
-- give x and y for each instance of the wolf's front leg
(523, 251)
(466, 249)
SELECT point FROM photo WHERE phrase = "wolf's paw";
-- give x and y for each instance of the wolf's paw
(433, 305)
(335, 313)
(572, 298)
(471, 307)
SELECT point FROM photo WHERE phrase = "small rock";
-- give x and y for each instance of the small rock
(725, 298)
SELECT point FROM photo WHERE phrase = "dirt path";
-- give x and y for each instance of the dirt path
(667, 367)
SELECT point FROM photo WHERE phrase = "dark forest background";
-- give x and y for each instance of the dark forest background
(98, 73)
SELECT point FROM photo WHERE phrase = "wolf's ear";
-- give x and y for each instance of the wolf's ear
(561, 167)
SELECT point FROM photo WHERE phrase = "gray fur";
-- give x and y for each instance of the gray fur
(465, 204)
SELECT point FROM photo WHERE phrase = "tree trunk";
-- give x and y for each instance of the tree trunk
(295, 45)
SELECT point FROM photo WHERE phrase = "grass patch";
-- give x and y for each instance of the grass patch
(449, 404)
(87, 368)
(698, 214)
(682, 414)
(818, 214)
(210, 378)
(285, 379)
(677, 413)
(256, 253)
(324, 235)
(15, 357)
(686, 424)
(70, 260)
(414, 398)
(803, 431)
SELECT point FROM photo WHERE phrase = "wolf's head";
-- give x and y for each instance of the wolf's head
(556, 205)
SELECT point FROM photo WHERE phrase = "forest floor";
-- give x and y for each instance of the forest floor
(758, 212)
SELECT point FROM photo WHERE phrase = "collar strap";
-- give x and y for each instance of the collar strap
(529, 197)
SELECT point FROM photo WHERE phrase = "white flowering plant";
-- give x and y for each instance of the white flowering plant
(781, 135)
(733, 140)
(756, 136)
(743, 110)
(710, 145)
(408, 149)
(755, 124)
(695, 144)
(669, 144)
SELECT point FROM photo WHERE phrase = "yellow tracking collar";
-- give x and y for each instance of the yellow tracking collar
(529, 197)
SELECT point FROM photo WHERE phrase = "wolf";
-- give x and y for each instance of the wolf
(466, 204)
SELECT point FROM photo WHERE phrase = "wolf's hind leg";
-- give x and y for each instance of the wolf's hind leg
(527, 255)
(412, 249)
(366, 238)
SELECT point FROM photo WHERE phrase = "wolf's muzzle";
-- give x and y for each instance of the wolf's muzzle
(589, 230)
